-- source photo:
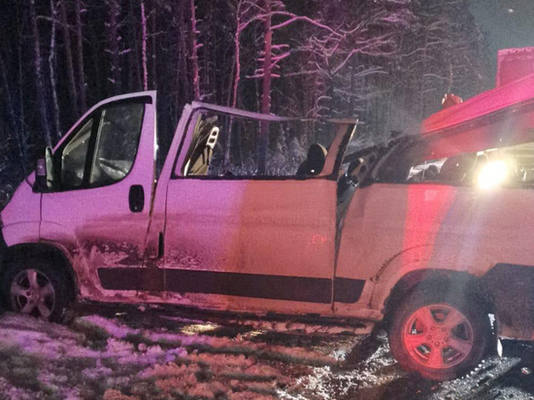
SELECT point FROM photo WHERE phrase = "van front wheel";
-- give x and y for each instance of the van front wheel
(439, 336)
(35, 288)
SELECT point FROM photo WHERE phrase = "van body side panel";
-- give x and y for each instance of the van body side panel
(251, 244)
(428, 226)
(22, 232)
(22, 215)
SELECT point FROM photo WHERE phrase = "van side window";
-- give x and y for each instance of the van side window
(117, 139)
(233, 146)
(103, 149)
(74, 156)
(514, 165)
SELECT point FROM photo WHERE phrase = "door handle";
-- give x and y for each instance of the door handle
(136, 198)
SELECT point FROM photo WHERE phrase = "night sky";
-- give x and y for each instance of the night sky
(507, 23)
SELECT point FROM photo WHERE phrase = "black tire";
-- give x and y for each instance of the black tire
(50, 291)
(425, 338)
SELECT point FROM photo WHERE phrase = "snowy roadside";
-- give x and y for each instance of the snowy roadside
(161, 357)
(124, 353)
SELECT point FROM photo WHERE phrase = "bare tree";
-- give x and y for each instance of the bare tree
(143, 45)
(79, 51)
(270, 57)
(68, 57)
(114, 42)
(242, 6)
(249, 12)
(263, 141)
(387, 61)
(346, 62)
(20, 112)
(52, 67)
(13, 120)
(194, 51)
(39, 78)
(267, 55)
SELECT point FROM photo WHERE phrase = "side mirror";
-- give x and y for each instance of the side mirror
(44, 173)
(40, 176)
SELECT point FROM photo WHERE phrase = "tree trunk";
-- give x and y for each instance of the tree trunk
(134, 59)
(13, 123)
(267, 54)
(194, 52)
(20, 92)
(114, 48)
(79, 50)
(68, 58)
(153, 49)
(266, 89)
(143, 46)
(52, 69)
(39, 76)
(237, 60)
(183, 66)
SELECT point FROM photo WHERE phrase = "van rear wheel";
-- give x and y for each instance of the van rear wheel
(439, 336)
(35, 288)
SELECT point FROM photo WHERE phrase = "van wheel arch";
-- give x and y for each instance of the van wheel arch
(440, 280)
(54, 255)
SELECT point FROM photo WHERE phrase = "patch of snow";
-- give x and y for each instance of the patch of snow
(99, 357)
(112, 327)
(118, 347)
(96, 373)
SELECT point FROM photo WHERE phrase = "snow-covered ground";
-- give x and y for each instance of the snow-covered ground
(123, 352)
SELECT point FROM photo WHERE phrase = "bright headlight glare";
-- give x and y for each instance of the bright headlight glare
(493, 174)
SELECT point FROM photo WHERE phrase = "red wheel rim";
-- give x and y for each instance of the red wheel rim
(438, 336)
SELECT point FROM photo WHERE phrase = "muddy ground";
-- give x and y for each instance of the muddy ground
(125, 352)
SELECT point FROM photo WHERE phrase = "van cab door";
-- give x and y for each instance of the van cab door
(98, 204)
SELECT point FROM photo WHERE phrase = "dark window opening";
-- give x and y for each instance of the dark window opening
(232, 146)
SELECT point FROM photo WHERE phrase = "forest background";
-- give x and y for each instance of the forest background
(386, 62)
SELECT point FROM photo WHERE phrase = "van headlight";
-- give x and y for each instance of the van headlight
(493, 174)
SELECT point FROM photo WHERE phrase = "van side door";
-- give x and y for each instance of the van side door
(239, 238)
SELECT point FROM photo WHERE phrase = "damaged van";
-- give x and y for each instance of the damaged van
(428, 234)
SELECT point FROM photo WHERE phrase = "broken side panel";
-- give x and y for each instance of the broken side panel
(239, 239)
